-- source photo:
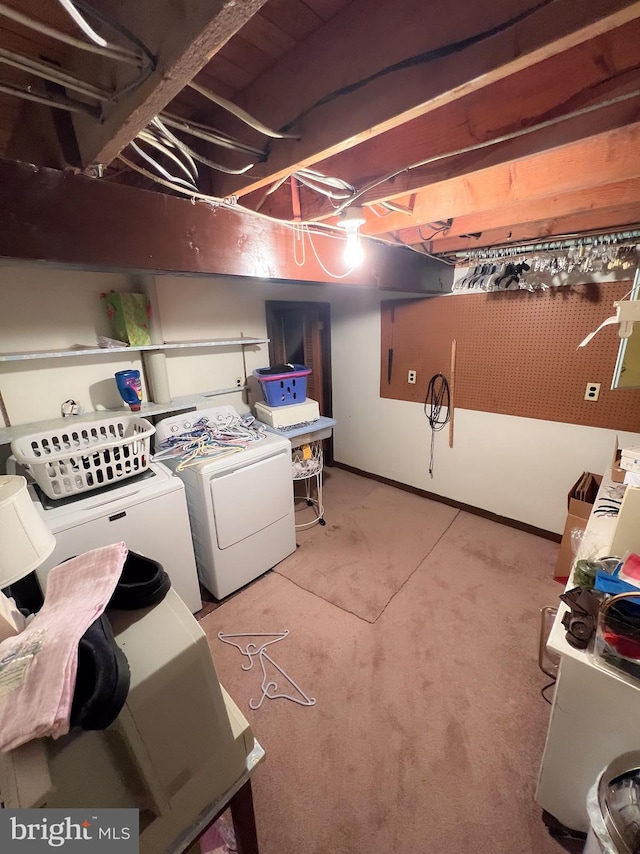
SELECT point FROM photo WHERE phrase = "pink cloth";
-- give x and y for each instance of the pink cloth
(38, 666)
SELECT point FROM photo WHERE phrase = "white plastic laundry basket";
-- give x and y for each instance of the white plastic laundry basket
(85, 455)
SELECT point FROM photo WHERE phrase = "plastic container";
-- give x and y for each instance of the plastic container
(130, 388)
(618, 633)
(283, 389)
(81, 456)
(613, 806)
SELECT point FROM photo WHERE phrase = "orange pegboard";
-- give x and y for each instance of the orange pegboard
(516, 353)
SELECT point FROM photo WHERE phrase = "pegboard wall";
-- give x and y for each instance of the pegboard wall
(516, 353)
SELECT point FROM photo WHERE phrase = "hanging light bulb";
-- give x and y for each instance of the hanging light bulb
(351, 222)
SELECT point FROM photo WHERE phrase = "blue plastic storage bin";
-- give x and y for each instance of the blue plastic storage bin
(283, 389)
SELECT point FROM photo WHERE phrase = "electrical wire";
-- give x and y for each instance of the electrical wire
(239, 113)
(546, 688)
(115, 25)
(437, 397)
(322, 189)
(419, 59)
(187, 150)
(208, 134)
(187, 165)
(299, 235)
(71, 10)
(112, 51)
(53, 73)
(152, 162)
(477, 146)
(51, 100)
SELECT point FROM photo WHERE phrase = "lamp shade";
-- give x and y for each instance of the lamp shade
(25, 540)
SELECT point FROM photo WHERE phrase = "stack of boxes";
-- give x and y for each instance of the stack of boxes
(286, 405)
(626, 465)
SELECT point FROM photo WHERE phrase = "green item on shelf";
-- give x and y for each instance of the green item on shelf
(130, 315)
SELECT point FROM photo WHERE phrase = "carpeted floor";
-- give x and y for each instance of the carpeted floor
(353, 562)
(429, 726)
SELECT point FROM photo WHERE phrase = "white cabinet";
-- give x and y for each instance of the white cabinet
(595, 711)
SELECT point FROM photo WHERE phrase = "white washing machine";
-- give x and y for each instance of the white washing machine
(240, 506)
(148, 512)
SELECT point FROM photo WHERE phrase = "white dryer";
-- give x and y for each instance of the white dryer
(148, 512)
(240, 506)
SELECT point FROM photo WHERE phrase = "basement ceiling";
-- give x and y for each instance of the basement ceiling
(453, 126)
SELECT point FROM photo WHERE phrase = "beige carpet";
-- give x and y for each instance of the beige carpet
(429, 727)
(374, 538)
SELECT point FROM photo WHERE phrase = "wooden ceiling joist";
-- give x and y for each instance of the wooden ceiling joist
(619, 203)
(183, 37)
(603, 159)
(618, 218)
(587, 75)
(390, 100)
(531, 142)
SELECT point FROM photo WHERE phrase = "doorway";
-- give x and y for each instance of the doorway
(300, 333)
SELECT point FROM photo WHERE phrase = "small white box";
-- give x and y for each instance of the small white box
(630, 459)
(284, 417)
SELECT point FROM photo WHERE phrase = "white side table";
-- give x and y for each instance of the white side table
(307, 458)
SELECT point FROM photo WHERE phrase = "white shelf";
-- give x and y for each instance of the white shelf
(190, 401)
(101, 351)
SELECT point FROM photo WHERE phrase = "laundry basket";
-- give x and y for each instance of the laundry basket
(283, 385)
(85, 455)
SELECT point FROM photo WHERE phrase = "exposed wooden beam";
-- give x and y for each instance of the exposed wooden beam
(588, 74)
(416, 180)
(58, 217)
(594, 162)
(183, 35)
(615, 218)
(388, 101)
(619, 200)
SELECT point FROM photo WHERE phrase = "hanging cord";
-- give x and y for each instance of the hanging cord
(437, 396)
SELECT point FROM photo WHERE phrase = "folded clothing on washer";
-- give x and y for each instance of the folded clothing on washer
(38, 667)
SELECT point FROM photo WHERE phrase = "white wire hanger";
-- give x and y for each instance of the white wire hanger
(269, 687)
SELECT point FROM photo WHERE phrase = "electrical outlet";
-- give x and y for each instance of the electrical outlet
(411, 378)
(238, 382)
(592, 391)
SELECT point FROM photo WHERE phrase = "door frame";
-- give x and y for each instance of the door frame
(273, 310)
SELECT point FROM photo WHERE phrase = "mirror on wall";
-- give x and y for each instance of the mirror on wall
(627, 370)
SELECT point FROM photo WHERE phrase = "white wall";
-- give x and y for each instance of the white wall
(516, 467)
(521, 468)
(49, 309)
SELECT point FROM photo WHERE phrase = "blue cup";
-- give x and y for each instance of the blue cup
(130, 388)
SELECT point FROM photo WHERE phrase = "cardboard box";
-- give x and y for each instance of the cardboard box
(129, 315)
(579, 504)
(617, 472)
